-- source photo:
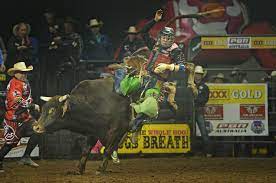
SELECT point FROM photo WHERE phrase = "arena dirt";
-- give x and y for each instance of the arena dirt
(176, 169)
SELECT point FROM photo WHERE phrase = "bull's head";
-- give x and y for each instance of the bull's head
(52, 111)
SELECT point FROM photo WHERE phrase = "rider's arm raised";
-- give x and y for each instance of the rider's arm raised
(150, 42)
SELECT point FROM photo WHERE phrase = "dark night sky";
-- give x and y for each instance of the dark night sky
(116, 14)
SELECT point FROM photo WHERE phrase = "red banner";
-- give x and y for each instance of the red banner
(252, 112)
(213, 112)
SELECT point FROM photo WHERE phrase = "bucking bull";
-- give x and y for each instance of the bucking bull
(96, 111)
(92, 109)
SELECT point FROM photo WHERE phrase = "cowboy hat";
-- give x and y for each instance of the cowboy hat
(236, 71)
(95, 23)
(269, 77)
(20, 66)
(132, 30)
(219, 76)
(273, 74)
(199, 69)
(16, 27)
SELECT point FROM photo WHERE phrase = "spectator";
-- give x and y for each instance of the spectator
(50, 28)
(18, 120)
(219, 78)
(130, 44)
(22, 47)
(69, 47)
(69, 42)
(238, 76)
(3, 56)
(201, 92)
(97, 45)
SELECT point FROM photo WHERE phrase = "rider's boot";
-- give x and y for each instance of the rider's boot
(135, 127)
(137, 122)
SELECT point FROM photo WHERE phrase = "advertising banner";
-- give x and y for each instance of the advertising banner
(238, 42)
(237, 110)
(19, 150)
(159, 138)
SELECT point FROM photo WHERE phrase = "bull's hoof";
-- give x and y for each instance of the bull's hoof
(73, 172)
(98, 172)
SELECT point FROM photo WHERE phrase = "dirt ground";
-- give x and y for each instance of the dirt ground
(175, 169)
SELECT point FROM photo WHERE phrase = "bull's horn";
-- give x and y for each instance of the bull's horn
(46, 99)
(63, 98)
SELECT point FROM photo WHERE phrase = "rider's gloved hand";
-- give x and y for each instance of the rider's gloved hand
(161, 68)
(158, 15)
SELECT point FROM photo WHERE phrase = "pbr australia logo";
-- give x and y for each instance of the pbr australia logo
(257, 127)
(239, 42)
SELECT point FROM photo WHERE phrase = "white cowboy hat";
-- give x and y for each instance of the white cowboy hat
(268, 77)
(20, 66)
(15, 28)
(219, 76)
(273, 73)
(95, 23)
(132, 30)
(236, 71)
(199, 69)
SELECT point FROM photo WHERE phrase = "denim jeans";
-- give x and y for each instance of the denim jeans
(199, 118)
(119, 76)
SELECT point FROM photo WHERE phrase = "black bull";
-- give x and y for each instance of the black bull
(92, 109)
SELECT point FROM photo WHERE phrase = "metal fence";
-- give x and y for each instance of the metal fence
(49, 80)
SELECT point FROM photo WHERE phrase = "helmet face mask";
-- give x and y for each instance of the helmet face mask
(166, 41)
(166, 37)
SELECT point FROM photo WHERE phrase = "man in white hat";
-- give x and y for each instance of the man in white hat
(219, 78)
(18, 121)
(201, 97)
(238, 76)
(97, 45)
(131, 43)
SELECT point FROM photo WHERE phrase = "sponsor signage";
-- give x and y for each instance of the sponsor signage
(159, 138)
(239, 42)
(19, 150)
(263, 42)
(237, 93)
(3, 77)
(252, 112)
(237, 110)
(213, 112)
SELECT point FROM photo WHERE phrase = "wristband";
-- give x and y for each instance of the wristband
(181, 67)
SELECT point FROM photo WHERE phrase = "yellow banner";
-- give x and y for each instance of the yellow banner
(214, 42)
(2, 77)
(263, 42)
(240, 42)
(237, 93)
(159, 138)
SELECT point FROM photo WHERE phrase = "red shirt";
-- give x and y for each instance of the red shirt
(18, 100)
